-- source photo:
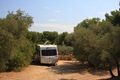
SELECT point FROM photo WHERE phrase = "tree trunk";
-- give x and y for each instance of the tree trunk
(118, 68)
(110, 69)
(119, 71)
(90, 64)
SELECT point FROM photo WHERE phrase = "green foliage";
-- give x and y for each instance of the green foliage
(17, 62)
(99, 43)
(50, 36)
(6, 46)
(41, 38)
(89, 22)
(23, 56)
(65, 50)
(85, 45)
(15, 50)
(96, 44)
(114, 17)
(17, 24)
(61, 38)
(34, 37)
(69, 39)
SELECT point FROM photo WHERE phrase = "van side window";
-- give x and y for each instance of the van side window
(51, 52)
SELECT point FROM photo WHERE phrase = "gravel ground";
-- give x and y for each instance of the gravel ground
(65, 70)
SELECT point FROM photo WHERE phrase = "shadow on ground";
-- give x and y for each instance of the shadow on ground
(74, 67)
(37, 63)
(115, 78)
(70, 67)
(66, 79)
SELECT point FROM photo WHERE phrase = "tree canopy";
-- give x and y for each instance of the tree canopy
(98, 43)
(15, 50)
(114, 17)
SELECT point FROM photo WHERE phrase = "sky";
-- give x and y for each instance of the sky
(59, 15)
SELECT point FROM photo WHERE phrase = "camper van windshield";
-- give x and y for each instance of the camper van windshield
(51, 52)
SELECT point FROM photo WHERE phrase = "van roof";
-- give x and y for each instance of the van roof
(47, 45)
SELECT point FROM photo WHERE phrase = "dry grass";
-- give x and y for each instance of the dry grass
(65, 70)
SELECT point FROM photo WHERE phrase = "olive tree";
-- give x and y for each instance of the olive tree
(15, 49)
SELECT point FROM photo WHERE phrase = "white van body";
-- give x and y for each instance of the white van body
(47, 54)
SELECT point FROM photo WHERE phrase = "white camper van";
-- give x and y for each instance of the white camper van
(47, 54)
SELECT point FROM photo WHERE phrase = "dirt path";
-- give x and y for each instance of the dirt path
(65, 70)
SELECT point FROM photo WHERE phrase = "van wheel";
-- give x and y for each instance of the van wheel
(55, 64)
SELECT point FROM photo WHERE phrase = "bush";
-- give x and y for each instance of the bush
(6, 45)
(17, 63)
(65, 52)
(22, 57)
(15, 50)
